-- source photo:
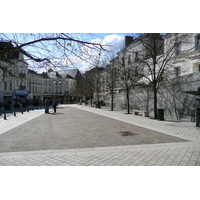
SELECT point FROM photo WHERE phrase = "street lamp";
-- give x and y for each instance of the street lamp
(54, 82)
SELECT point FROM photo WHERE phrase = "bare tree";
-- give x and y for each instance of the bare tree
(54, 48)
(111, 78)
(128, 74)
(154, 59)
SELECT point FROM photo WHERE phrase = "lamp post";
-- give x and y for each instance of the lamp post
(60, 83)
(54, 82)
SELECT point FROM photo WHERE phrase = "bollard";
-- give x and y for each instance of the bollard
(22, 110)
(27, 109)
(197, 117)
(4, 115)
(192, 115)
(14, 112)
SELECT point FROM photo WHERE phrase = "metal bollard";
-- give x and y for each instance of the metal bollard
(4, 115)
(193, 116)
(22, 111)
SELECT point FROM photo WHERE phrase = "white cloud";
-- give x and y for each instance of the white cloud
(113, 43)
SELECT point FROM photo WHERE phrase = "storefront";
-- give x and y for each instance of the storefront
(21, 95)
(51, 98)
(7, 96)
(6, 99)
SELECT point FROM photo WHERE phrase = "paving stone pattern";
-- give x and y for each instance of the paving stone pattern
(183, 151)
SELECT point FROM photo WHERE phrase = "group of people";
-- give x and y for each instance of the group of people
(47, 104)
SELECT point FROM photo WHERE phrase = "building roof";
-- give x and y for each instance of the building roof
(7, 51)
(30, 71)
(70, 73)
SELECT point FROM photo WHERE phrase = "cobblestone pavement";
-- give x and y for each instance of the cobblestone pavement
(161, 154)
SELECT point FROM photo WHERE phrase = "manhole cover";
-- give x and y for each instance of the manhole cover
(126, 133)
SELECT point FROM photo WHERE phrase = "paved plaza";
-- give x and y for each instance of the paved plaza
(80, 135)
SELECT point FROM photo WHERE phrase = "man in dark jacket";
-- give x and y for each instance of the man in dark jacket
(46, 104)
(54, 106)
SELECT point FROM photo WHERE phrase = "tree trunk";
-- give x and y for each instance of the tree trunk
(128, 103)
(155, 101)
(91, 102)
(112, 102)
(98, 102)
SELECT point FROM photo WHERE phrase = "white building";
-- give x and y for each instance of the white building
(13, 74)
(35, 86)
(182, 69)
(60, 85)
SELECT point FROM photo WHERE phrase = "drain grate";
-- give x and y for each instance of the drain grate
(126, 133)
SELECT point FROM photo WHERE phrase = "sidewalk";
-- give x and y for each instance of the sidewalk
(162, 154)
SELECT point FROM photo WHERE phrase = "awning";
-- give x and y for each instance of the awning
(21, 92)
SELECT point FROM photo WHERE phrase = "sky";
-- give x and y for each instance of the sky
(113, 42)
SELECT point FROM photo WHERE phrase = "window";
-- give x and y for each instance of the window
(197, 42)
(196, 67)
(129, 59)
(178, 49)
(5, 73)
(136, 71)
(123, 61)
(177, 71)
(10, 86)
(136, 56)
(5, 85)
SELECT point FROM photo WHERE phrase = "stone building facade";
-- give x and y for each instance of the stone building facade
(13, 74)
(182, 73)
(19, 84)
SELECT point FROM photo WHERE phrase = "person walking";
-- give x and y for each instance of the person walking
(54, 106)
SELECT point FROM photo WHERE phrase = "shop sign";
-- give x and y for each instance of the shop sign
(21, 92)
(7, 94)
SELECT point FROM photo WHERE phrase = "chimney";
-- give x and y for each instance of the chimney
(128, 40)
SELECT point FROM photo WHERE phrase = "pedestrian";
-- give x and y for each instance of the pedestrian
(46, 103)
(54, 106)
